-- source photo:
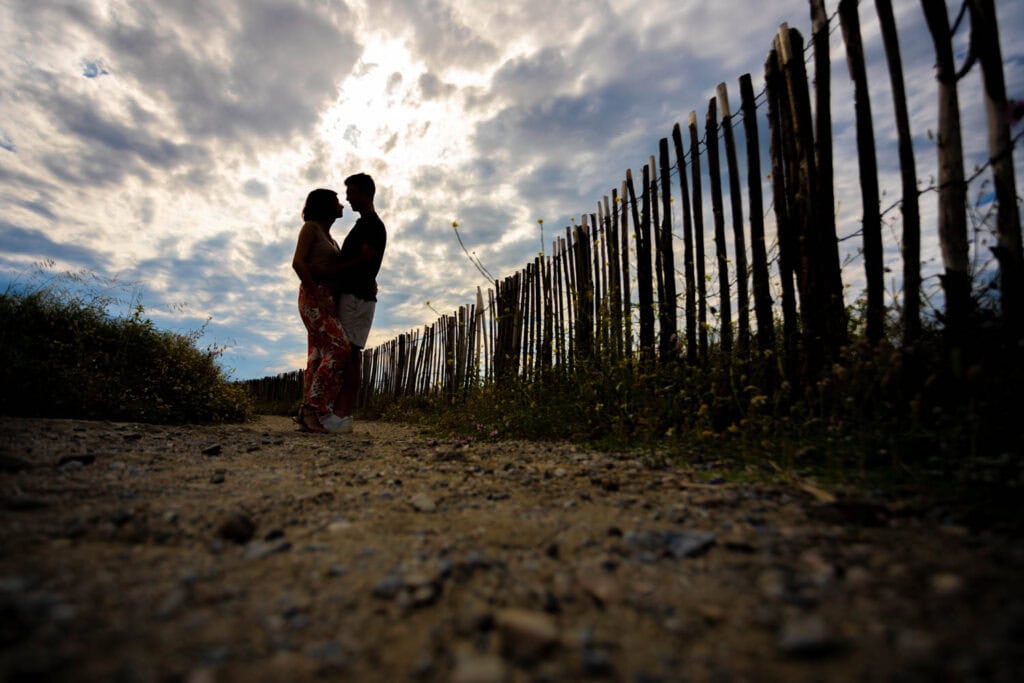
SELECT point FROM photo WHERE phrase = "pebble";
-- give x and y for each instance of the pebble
(238, 527)
(601, 586)
(388, 587)
(329, 652)
(212, 449)
(807, 637)
(526, 636)
(945, 584)
(471, 667)
(421, 502)
(174, 601)
(596, 663)
(257, 550)
(676, 544)
(338, 526)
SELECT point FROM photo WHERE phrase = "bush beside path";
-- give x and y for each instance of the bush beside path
(255, 552)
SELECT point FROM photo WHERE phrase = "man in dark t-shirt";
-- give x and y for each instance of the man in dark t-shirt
(356, 285)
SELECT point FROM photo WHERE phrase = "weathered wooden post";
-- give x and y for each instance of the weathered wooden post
(739, 239)
(698, 240)
(952, 190)
(717, 208)
(911, 249)
(871, 220)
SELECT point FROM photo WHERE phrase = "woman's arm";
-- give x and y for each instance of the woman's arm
(308, 237)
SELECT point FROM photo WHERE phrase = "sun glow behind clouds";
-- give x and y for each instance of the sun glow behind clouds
(382, 121)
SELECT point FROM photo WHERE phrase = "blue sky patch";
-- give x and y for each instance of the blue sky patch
(92, 69)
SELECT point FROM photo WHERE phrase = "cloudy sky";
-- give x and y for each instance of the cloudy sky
(170, 144)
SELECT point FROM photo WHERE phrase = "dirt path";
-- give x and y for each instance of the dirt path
(254, 552)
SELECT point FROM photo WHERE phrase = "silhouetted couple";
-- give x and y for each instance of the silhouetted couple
(337, 299)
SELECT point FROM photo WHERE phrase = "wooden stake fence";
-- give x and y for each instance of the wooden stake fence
(573, 309)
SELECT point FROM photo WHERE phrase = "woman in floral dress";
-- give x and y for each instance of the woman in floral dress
(316, 258)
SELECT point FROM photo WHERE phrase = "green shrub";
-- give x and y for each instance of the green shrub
(65, 356)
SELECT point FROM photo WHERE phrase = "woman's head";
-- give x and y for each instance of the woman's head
(322, 206)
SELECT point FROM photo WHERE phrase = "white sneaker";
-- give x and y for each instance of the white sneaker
(335, 424)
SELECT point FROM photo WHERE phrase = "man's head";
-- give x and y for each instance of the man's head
(359, 191)
(322, 206)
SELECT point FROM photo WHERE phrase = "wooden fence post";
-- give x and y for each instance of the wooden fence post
(758, 249)
(585, 295)
(952, 190)
(690, 305)
(644, 284)
(823, 311)
(667, 307)
(611, 212)
(721, 255)
(1008, 250)
(868, 165)
(598, 287)
(739, 239)
(654, 214)
(784, 225)
(911, 249)
(627, 299)
(698, 241)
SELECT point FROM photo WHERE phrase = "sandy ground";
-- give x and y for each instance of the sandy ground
(258, 553)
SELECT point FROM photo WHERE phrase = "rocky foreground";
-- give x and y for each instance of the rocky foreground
(258, 553)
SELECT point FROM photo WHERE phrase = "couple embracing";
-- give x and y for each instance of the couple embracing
(337, 299)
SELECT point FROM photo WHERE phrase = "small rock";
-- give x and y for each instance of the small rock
(712, 614)
(596, 663)
(388, 587)
(71, 466)
(338, 526)
(80, 459)
(217, 478)
(121, 517)
(526, 636)
(173, 602)
(807, 637)
(329, 653)
(858, 576)
(212, 449)
(257, 550)
(421, 502)
(239, 528)
(916, 644)
(946, 584)
(601, 586)
(471, 667)
(690, 543)
(676, 544)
